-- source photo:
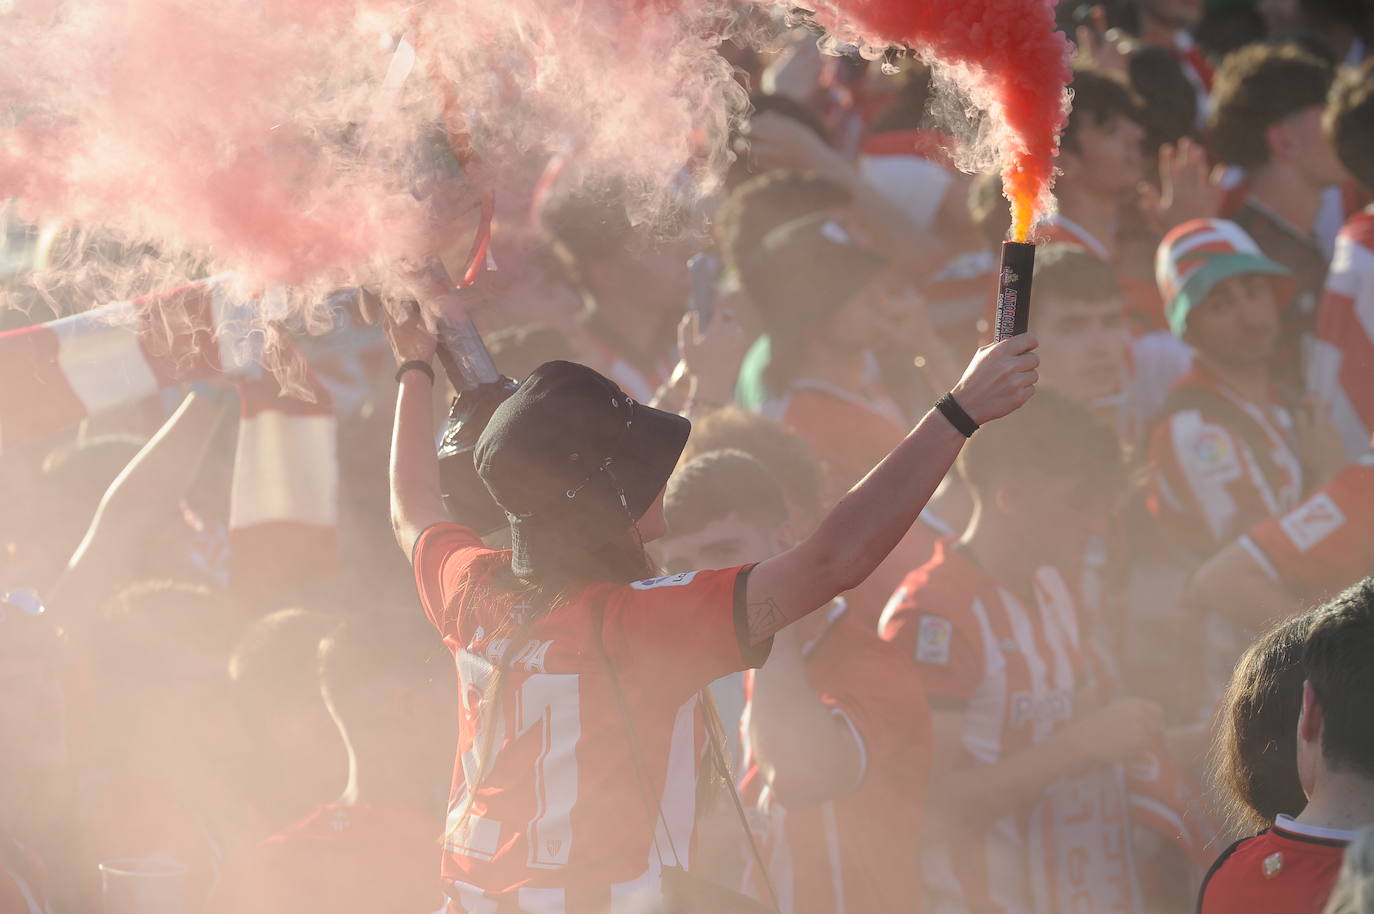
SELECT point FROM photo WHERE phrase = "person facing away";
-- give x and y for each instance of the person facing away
(1292, 866)
(1255, 745)
(374, 848)
(837, 728)
(578, 667)
(1027, 805)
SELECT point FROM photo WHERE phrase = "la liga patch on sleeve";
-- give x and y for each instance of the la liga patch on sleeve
(933, 638)
(671, 580)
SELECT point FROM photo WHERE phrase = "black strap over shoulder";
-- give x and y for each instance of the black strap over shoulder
(654, 809)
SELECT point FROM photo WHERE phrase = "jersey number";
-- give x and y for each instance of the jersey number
(549, 704)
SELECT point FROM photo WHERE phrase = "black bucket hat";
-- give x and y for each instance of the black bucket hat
(574, 463)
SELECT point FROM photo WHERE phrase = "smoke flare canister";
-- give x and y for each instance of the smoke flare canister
(1014, 289)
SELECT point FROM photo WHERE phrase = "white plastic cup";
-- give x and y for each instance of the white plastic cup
(150, 885)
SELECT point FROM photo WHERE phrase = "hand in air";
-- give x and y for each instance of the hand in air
(1189, 188)
(712, 354)
(411, 334)
(1000, 378)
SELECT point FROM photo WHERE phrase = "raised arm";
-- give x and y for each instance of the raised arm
(872, 517)
(141, 498)
(416, 499)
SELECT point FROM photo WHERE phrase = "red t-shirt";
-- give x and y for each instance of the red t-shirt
(1288, 869)
(857, 852)
(562, 819)
(340, 859)
(1325, 544)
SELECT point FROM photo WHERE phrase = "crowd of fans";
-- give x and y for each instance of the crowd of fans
(1123, 662)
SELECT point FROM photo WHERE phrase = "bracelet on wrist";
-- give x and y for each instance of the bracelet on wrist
(949, 408)
(416, 365)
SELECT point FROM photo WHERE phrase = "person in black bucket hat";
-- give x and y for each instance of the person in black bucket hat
(575, 463)
(581, 669)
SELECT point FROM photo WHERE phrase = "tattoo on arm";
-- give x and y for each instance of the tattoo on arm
(765, 619)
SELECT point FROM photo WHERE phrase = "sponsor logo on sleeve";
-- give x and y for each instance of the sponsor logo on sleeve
(672, 580)
(1313, 521)
(933, 638)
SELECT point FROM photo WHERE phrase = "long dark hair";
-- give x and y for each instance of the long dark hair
(1255, 757)
(620, 561)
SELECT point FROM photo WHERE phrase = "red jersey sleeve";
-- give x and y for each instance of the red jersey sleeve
(442, 557)
(1327, 542)
(876, 687)
(931, 627)
(681, 631)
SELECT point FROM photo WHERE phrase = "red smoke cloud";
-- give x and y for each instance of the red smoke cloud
(266, 136)
(1006, 54)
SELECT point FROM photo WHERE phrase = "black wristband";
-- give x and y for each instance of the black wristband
(951, 410)
(417, 365)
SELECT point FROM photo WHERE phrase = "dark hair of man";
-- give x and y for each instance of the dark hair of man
(274, 661)
(1097, 98)
(1255, 88)
(1349, 121)
(1050, 434)
(369, 649)
(718, 484)
(774, 198)
(1168, 110)
(1255, 756)
(1337, 662)
(1069, 272)
(786, 456)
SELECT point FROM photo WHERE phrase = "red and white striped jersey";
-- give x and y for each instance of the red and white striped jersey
(562, 820)
(1017, 666)
(1325, 544)
(54, 375)
(284, 507)
(857, 853)
(1219, 463)
(1340, 366)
